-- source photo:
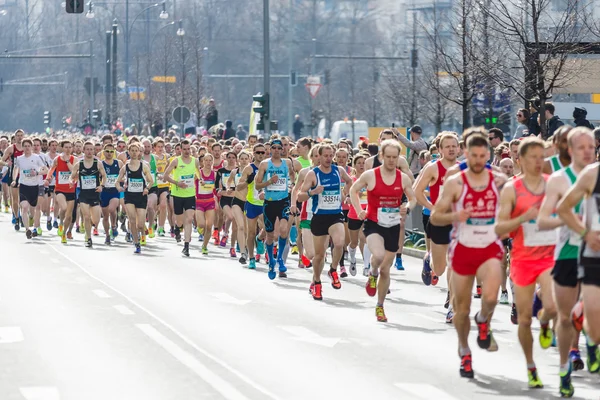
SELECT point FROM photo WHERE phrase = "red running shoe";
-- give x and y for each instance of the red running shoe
(371, 285)
(466, 367)
(335, 279)
(316, 290)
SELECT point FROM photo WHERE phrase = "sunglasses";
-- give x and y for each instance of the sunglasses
(276, 148)
(259, 152)
(295, 155)
(109, 151)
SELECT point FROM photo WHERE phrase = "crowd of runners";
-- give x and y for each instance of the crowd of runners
(530, 223)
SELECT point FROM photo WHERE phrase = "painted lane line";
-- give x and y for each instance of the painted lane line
(187, 340)
(306, 335)
(101, 293)
(226, 298)
(123, 309)
(11, 334)
(40, 393)
(424, 391)
(219, 384)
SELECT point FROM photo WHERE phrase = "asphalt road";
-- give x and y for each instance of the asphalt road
(103, 323)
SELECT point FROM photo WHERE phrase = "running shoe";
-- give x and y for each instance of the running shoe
(477, 294)
(177, 233)
(399, 265)
(537, 304)
(216, 237)
(78, 229)
(593, 359)
(466, 367)
(151, 233)
(29, 234)
(260, 246)
(426, 271)
(143, 240)
(546, 336)
(282, 274)
(38, 231)
(343, 273)
(352, 268)
(493, 344)
(484, 336)
(504, 297)
(88, 243)
(237, 247)
(434, 279)
(272, 274)
(366, 270)
(63, 239)
(69, 235)
(55, 224)
(371, 285)
(232, 253)
(380, 314)
(447, 302)
(309, 265)
(449, 316)
(201, 238)
(204, 251)
(575, 359)
(335, 279)
(294, 249)
(252, 264)
(305, 260)
(128, 238)
(107, 241)
(95, 232)
(577, 316)
(185, 251)
(223, 242)
(115, 232)
(138, 249)
(14, 220)
(566, 387)
(533, 380)
(316, 290)
(514, 318)
(17, 226)
(60, 230)
(49, 225)
(257, 258)
(243, 259)
(161, 232)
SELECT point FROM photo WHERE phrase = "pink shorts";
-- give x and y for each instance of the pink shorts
(525, 273)
(205, 206)
(467, 260)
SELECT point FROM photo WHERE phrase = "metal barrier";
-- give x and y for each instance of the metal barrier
(414, 237)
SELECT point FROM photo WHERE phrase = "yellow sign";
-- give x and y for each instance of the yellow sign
(137, 96)
(374, 136)
(595, 98)
(164, 79)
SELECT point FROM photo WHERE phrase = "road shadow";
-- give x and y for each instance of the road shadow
(408, 328)
(507, 387)
(355, 305)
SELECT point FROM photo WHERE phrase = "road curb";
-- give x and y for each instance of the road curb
(413, 252)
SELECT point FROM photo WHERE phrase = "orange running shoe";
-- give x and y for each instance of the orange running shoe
(380, 314)
(335, 279)
(316, 290)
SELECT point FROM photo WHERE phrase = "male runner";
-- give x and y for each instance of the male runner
(469, 201)
(386, 186)
(532, 255)
(561, 159)
(10, 154)
(148, 157)
(162, 161)
(566, 285)
(324, 185)
(109, 197)
(274, 175)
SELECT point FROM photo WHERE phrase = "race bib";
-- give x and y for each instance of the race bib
(64, 177)
(534, 237)
(29, 173)
(362, 197)
(477, 233)
(206, 188)
(111, 181)
(88, 182)
(330, 200)
(237, 178)
(136, 185)
(188, 180)
(279, 186)
(388, 216)
(224, 180)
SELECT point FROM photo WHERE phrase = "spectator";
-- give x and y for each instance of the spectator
(229, 132)
(580, 118)
(553, 122)
(496, 138)
(241, 133)
(416, 144)
(297, 127)
(212, 115)
(522, 119)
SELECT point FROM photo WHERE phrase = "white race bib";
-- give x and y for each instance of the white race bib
(188, 180)
(534, 237)
(111, 181)
(477, 233)
(279, 186)
(88, 182)
(64, 177)
(136, 185)
(206, 188)
(330, 200)
(388, 216)
(29, 173)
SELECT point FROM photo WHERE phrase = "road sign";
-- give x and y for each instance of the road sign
(181, 115)
(137, 95)
(164, 79)
(313, 85)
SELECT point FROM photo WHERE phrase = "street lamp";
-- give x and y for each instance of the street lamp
(164, 14)
(180, 30)
(90, 12)
(181, 34)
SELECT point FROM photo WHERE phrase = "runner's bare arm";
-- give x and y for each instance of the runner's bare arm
(408, 191)
(15, 172)
(583, 187)
(292, 171)
(243, 183)
(310, 180)
(441, 212)
(369, 163)
(9, 152)
(258, 179)
(120, 179)
(421, 185)
(547, 169)
(453, 170)
(148, 175)
(167, 174)
(403, 166)
(554, 189)
(102, 176)
(361, 183)
(500, 178)
(506, 224)
(299, 184)
(75, 173)
(346, 178)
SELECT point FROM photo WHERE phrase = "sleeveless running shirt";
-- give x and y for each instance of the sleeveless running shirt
(530, 243)
(304, 162)
(63, 175)
(329, 201)
(89, 178)
(187, 174)
(592, 222)
(161, 166)
(205, 192)
(112, 173)
(435, 188)
(383, 202)
(362, 198)
(568, 244)
(252, 195)
(555, 163)
(135, 180)
(478, 230)
(278, 190)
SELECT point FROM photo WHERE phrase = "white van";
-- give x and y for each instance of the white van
(345, 130)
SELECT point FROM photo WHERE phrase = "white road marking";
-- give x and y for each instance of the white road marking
(424, 391)
(306, 335)
(11, 334)
(40, 393)
(54, 260)
(123, 310)
(219, 384)
(187, 340)
(226, 298)
(101, 293)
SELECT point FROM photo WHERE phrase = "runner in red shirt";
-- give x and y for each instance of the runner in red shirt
(476, 250)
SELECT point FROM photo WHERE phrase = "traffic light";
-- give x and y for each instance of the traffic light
(327, 77)
(293, 79)
(74, 6)
(47, 117)
(64, 122)
(97, 115)
(261, 109)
